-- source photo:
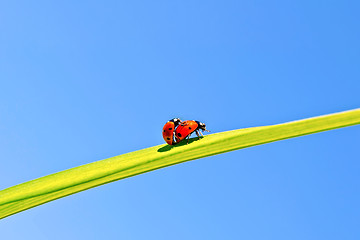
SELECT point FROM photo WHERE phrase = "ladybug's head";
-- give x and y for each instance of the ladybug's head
(176, 121)
(202, 126)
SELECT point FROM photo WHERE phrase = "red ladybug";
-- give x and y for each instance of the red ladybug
(169, 129)
(186, 128)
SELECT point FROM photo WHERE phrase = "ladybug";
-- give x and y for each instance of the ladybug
(169, 129)
(186, 128)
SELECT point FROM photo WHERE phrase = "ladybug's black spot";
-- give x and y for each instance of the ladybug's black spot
(179, 134)
(170, 128)
(168, 138)
(189, 127)
(164, 131)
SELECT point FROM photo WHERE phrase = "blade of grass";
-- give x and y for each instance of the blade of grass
(33, 193)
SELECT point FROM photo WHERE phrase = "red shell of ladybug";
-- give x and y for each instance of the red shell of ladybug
(168, 130)
(185, 129)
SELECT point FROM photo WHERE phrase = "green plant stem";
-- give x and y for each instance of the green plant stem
(30, 194)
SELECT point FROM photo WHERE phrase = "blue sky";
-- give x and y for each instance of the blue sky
(86, 80)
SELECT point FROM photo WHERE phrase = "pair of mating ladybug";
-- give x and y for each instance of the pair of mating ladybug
(175, 130)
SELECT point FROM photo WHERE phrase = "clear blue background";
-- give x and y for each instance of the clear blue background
(81, 81)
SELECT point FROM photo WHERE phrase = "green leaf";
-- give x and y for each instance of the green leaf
(33, 193)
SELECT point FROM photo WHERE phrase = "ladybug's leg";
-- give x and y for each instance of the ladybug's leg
(197, 134)
(201, 133)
